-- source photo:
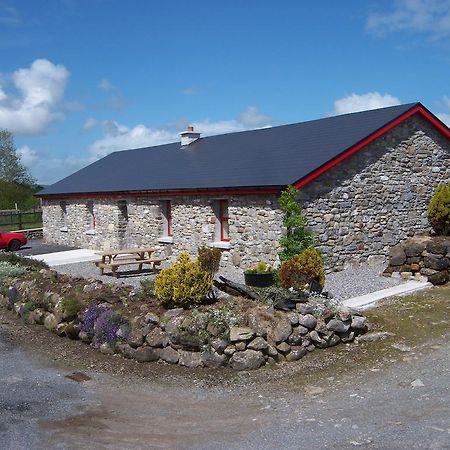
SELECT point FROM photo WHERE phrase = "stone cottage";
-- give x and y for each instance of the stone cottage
(364, 180)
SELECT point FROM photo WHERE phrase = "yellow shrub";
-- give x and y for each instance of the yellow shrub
(183, 284)
(299, 271)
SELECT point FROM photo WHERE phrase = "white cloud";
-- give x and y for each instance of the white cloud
(90, 123)
(121, 137)
(27, 155)
(426, 16)
(445, 118)
(9, 15)
(371, 100)
(41, 88)
(115, 100)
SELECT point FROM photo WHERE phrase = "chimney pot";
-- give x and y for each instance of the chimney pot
(189, 136)
(190, 128)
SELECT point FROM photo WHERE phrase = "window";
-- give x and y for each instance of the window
(222, 234)
(63, 207)
(166, 213)
(91, 215)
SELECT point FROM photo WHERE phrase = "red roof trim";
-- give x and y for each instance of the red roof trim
(162, 194)
(419, 109)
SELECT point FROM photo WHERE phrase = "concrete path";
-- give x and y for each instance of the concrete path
(68, 257)
(369, 300)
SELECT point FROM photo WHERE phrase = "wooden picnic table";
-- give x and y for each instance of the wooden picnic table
(113, 259)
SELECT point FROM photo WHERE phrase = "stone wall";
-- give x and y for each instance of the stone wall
(378, 196)
(193, 224)
(358, 209)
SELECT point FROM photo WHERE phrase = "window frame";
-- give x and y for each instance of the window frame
(224, 218)
(166, 212)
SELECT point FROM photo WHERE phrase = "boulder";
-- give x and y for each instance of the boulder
(213, 360)
(435, 263)
(106, 349)
(126, 350)
(296, 353)
(397, 256)
(151, 318)
(282, 330)
(157, 338)
(284, 348)
(240, 346)
(436, 247)
(344, 313)
(316, 339)
(439, 278)
(338, 326)
(219, 345)
(241, 334)
(305, 308)
(169, 355)
(185, 332)
(50, 322)
(229, 350)
(146, 354)
(334, 339)
(190, 359)
(347, 337)
(414, 249)
(296, 337)
(259, 344)
(136, 338)
(308, 321)
(359, 323)
(37, 317)
(247, 360)
(261, 320)
(293, 318)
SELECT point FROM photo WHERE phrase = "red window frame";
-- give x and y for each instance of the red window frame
(168, 215)
(223, 218)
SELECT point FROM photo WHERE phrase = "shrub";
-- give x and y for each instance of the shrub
(298, 237)
(300, 271)
(89, 318)
(439, 210)
(71, 307)
(10, 270)
(209, 259)
(106, 327)
(27, 308)
(22, 261)
(261, 267)
(183, 284)
(147, 288)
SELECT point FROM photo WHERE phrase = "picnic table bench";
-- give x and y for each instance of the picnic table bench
(113, 259)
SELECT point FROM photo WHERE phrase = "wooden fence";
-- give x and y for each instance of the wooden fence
(12, 219)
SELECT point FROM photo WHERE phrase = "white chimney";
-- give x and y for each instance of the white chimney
(189, 136)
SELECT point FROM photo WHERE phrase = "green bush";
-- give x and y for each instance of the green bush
(27, 308)
(183, 284)
(71, 307)
(300, 271)
(22, 261)
(439, 210)
(147, 288)
(298, 237)
(261, 267)
(209, 259)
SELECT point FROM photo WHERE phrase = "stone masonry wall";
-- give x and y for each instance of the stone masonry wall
(378, 196)
(358, 209)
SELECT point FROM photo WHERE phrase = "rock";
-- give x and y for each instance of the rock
(72, 331)
(439, 278)
(438, 264)
(415, 267)
(146, 354)
(282, 330)
(308, 321)
(126, 350)
(397, 256)
(272, 351)
(219, 345)
(151, 318)
(347, 337)
(61, 329)
(436, 247)
(229, 350)
(293, 318)
(359, 323)
(50, 322)
(284, 348)
(260, 320)
(295, 338)
(185, 332)
(296, 353)
(157, 338)
(106, 349)
(240, 346)
(406, 275)
(169, 355)
(84, 337)
(136, 338)
(247, 360)
(302, 330)
(123, 332)
(334, 339)
(36, 317)
(305, 308)
(259, 344)
(417, 383)
(337, 326)
(375, 336)
(344, 313)
(241, 334)
(213, 360)
(190, 359)
(414, 249)
(316, 338)
(427, 272)
(401, 347)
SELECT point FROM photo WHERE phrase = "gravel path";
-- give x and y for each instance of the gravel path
(343, 285)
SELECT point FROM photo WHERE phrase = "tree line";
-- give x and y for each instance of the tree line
(17, 186)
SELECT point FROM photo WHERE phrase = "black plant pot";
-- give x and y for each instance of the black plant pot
(259, 279)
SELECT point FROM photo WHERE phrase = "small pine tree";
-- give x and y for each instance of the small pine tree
(297, 238)
(439, 210)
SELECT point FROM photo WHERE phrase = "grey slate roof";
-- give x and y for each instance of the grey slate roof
(268, 157)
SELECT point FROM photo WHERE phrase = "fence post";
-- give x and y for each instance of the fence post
(19, 216)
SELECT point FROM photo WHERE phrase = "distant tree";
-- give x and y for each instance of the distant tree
(16, 184)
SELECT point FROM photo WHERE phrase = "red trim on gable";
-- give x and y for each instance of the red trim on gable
(162, 194)
(419, 109)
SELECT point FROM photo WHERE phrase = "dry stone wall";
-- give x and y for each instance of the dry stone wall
(358, 209)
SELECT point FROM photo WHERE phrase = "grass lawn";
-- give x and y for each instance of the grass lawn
(25, 226)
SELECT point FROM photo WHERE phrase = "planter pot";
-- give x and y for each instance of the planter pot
(259, 279)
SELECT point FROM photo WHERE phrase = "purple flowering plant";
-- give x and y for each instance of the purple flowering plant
(89, 318)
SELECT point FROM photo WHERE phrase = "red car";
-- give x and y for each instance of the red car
(12, 241)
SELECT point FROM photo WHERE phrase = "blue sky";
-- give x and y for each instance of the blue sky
(82, 78)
